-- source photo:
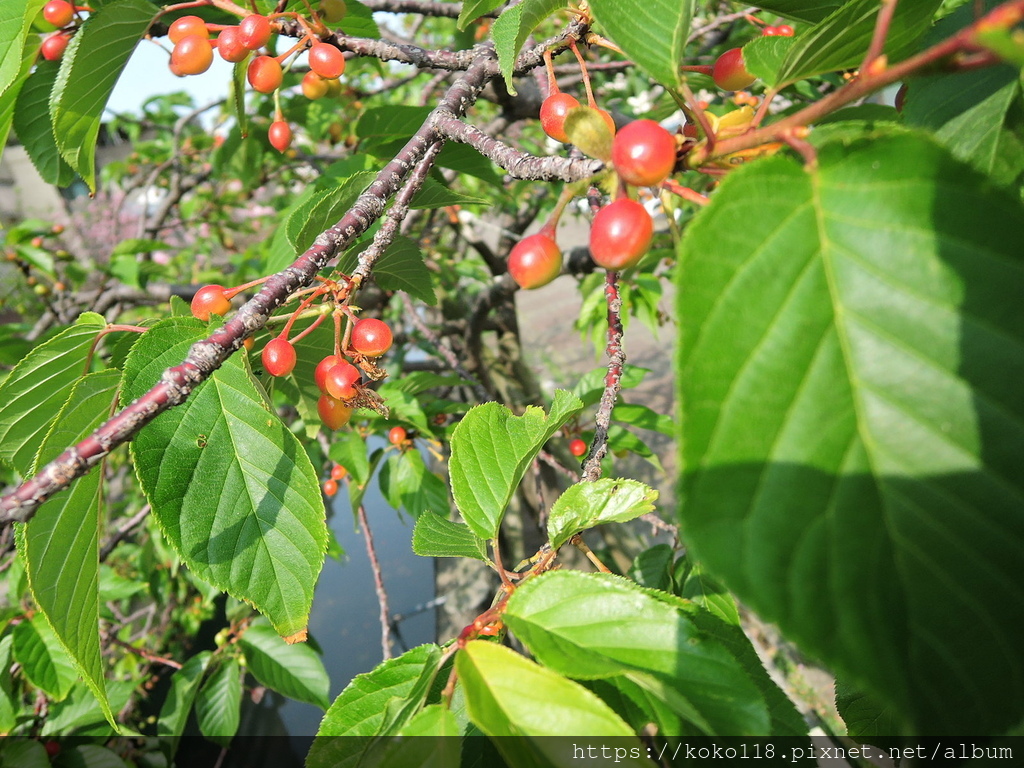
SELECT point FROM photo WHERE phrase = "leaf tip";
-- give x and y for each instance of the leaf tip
(297, 637)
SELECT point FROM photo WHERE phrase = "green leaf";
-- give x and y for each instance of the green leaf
(591, 626)
(511, 29)
(491, 450)
(42, 659)
(81, 714)
(375, 704)
(434, 194)
(652, 33)
(384, 124)
(60, 544)
(219, 703)
(293, 670)
(852, 423)
(8, 713)
(180, 698)
(358, 21)
(24, 753)
(700, 587)
(89, 756)
(408, 484)
(35, 390)
(587, 129)
(89, 69)
(865, 718)
(652, 568)
(15, 22)
(437, 536)
(587, 504)
(763, 57)
(349, 449)
(643, 417)
(841, 40)
(323, 210)
(590, 386)
(501, 697)
(473, 9)
(400, 268)
(9, 96)
(242, 505)
(32, 124)
(803, 10)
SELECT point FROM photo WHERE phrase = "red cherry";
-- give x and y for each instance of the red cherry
(371, 337)
(784, 30)
(340, 381)
(58, 12)
(279, 357)
(210, 299)
(644, 153)
(535, 261)
(229, 45)
(53, 46)
(397, 435)
(552, 115)
(320, 374)
(185, 26)
(577, 447)
(338, 472)
(265, 74)
(313, 86)
(730, 73)
(327, 61)
(333, 412)
(280, 135)
(330, 487)
(621, 234)
(769, 31)
(192, 56)
(254, 31)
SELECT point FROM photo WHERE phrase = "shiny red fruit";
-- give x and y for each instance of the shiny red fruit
(53, 46)
(644, 153)
(264, 74)
(185, 26)
(320, 374)
(333, 412)
(330, 487)
(210, 300)
(58, 12)
(397, 435)
(229, 45)
(535, 261)
(327, 61)
(621, 234)
(279, 357)
(254, 31)
(729, 71)
(280, 135)
(770, 32)
(338, 472)
(577, 447)
(784, 30)
(192, 56)
(340, 381)
(552, 115)
(371, 337)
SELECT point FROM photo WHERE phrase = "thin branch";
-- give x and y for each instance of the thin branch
(519, 165)
(378, 584)
(612, 380)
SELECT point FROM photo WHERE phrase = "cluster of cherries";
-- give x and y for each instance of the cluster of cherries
(59, 13)
(339, 380)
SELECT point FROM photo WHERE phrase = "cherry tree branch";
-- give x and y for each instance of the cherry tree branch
(612, 380)
(378, 584)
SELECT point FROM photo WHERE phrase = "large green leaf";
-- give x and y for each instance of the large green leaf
(491, 449)
(9, 96)
(374, 705)
(174, 713)
(32, 124)
(473, 9)
(511, 29)
(323, 210)
(34, 392)
(501, 689)
(15, 22)
(408, 484)
(804, 10)
(590, 627)
(294, 670)
(219, 702)
(586, 504)
(652, 33)
(841, 40)
(230, 485)
(60, 544)
(42, 659)
(89, 69)
(853, 422)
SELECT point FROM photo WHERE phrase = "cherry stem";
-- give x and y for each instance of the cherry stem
(577, 541)
(564, 198)
(671, 185)
(586, 75)
(552, 84)
(700, 69)
(505, 581)
(881, 31)
(302, 334)
(232, 292)
(307, 38)
(695, 108)
(337, 332)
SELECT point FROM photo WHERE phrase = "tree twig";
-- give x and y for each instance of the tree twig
(378, 585)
